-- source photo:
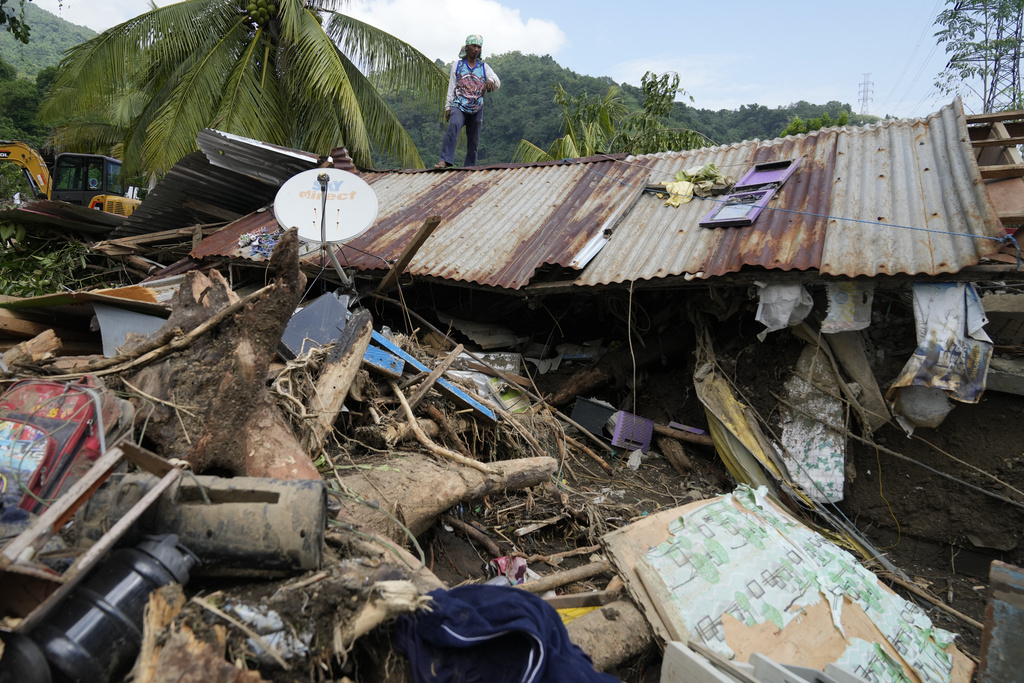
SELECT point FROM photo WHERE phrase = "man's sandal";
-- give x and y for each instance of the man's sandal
(442, 164)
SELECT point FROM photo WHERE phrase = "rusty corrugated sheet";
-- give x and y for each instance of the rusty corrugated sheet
(897, 197)
(229, 177)
(499, 225)
(196, 192)
(838, 213)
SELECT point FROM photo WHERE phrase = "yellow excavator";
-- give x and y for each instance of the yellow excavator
(91, 180)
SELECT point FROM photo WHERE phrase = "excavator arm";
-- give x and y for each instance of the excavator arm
(31, 163)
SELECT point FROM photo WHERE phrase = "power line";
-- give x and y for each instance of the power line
(910, 60)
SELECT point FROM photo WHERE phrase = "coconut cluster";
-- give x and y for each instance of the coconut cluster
(261, 11)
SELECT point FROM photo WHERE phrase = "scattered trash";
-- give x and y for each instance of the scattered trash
(953, 350)
(268, 624)
(781, 306)
(849, 306)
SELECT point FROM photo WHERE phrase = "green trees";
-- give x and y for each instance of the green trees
(983, 41)
(19, 107)
(798, 125)
(606, 125)
(273, 71)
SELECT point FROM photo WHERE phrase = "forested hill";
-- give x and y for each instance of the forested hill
(524, 109)
(50, 37)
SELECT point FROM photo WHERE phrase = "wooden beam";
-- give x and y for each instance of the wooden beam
(998, 142)
(1002, 171)
(995, 116)
(433, 377)
(425, 231)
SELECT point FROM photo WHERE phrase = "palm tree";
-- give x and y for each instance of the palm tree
(273, 70)
(589, 125)
(604, 126)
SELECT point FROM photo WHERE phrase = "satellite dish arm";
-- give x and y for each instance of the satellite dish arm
(346, 281)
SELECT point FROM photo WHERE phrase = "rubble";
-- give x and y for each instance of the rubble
(341, 460)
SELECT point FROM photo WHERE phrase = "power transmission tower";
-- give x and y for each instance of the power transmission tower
(867, 89)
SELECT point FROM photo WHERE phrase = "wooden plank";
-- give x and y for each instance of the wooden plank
(432, 378)
(425, 231)
(444, 386)
(14, 324)
(588, 599)
(98, 549)
(39, 532)
(992, 117)
(1002, 171)
(998, 142)
(340, 368)
(383, 362)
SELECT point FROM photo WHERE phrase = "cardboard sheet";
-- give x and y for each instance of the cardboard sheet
(740, 575)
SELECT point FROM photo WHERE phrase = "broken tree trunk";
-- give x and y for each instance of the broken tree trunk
(619, 364)
(342, 365)
(416, 490)
(209, 401)
(40, 347)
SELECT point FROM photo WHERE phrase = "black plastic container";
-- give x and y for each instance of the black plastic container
(97, 631)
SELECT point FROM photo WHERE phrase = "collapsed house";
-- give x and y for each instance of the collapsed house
(544, 331)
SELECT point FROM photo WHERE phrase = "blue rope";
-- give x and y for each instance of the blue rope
(1006, 239)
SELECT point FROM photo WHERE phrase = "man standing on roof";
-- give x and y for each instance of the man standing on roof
(464, 106)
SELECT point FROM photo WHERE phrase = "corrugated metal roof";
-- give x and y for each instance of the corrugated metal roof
(895, 197)
(229, 177)
(838, 213)
(196, 192)
(499, 225)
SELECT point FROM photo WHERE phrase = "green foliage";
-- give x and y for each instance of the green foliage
(12, 18)
(19, 101)
(12, 180)
(49, 38)
(7, 72)
(33, 265)
(163, 76)
(646, 131)
(589, 127)
(798, 125)
(982, 39)
(605, 126)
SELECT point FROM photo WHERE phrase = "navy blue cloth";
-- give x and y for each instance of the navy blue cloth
(473, 124)
(491, 634)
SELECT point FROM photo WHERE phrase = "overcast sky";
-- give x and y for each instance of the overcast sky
(728, 55)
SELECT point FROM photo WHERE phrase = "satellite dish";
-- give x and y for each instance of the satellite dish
(350, 209)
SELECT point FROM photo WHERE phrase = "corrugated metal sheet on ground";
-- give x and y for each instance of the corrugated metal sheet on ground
(838, 213)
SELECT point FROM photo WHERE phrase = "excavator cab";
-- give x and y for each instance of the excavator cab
(77, 178)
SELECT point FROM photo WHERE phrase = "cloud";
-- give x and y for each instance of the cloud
(438, 29)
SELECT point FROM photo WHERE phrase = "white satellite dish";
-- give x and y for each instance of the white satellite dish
(350, 209)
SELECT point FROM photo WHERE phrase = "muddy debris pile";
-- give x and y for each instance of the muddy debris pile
(269, 485)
